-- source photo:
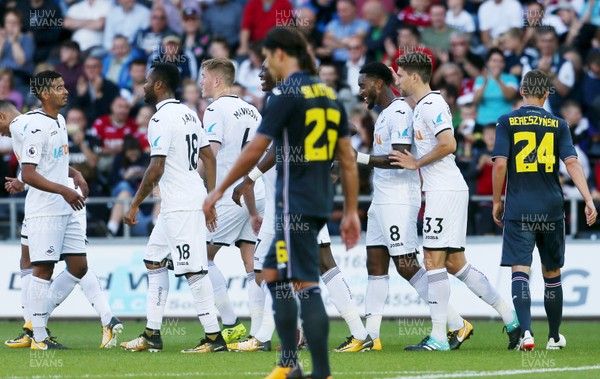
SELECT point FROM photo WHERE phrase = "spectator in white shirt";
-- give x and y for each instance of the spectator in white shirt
(126, 19)
(86, 20)
(357, 55)
(496, 17)
(458, 18)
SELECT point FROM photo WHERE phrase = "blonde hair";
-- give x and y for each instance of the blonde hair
(223, 66)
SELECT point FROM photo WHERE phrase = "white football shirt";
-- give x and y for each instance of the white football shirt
(45, 144)
(231, 122)
(175, 132)
(394, 186)
(431, 117)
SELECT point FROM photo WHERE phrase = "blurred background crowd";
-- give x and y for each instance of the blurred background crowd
(480, 49)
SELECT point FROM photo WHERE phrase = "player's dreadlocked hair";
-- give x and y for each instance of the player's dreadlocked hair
(293, 43)
(378, 70)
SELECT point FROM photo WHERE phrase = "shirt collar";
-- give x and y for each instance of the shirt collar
(166, 101)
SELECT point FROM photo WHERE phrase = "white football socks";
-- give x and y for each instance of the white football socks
(222, 301)
(156, 298)
(342, 299)
(377, 292)
(438, 296)
(38, 300)
(25, 280)
(481, 286)
(60, 288)
(267, 327)
(204, 300)
(92, 289)
(420, 282)
(256, 303)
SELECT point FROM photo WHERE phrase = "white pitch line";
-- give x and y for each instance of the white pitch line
(411, 374)
(478, 374)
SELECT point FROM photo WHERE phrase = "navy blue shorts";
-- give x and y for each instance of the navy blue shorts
(520, 237)
(295, 249)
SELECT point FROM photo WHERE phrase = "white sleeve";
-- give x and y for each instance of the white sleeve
(34, 144)
(484, 21)
(439, 117)
(400, 126)
(159, 136)
(214, 125)
(566, 74)
(202, 138)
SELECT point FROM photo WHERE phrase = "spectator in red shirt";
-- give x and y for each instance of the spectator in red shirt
(259, 17)
(416, 14)
(112, 128)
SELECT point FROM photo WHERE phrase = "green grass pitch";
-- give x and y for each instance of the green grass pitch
(484, 355)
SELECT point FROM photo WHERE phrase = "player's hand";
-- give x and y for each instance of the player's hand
(130, 215)
(497, 213)
(239, 191)
(13, 185)
(81, 184)
(75, 200)
(211, 220)
(350, 230)
(403, 159)
(590, 212)
(256, 222)
(209, 205)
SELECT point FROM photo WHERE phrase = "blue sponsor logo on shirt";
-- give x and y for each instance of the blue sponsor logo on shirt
(439, 119)
(61, 151)
(210, 128)
(155, 143)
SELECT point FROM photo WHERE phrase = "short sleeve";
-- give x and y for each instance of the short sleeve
(344, 127)
(566, 74)
(502, 144)
(440, 118)
(202, 139)
(276, 115)
(159, 136)
(478, 83)
(566, 149)
(510, 81)
(34, 142)
(401, 126)
(214, 124)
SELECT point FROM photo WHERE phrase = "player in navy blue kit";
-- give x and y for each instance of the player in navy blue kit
(308, 128)
(528, 143)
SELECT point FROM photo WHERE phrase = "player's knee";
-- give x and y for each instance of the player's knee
(78, 271)
(549, 274)
(43, 271)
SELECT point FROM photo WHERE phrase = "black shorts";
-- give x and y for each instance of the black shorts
(295, 249)
(520, 237)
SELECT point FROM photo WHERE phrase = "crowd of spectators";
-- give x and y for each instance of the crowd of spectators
(480, 49)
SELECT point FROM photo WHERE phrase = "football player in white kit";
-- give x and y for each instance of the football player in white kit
(177, 141)
(54, 231)
(12, 125)
(230, 123)
(330, 273)
(446, 201)
(392, 216)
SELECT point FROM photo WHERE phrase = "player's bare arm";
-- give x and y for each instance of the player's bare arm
(263, 166)
(498, 177)
(33, 178)
(350, 225)
(209, 162)
(576, 173)
(151, 178)
(79, 181)
(248, 158)
(446, 145)
(384, 161)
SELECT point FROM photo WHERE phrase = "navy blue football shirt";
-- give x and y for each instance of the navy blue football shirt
(532, 140)
(305, 120)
